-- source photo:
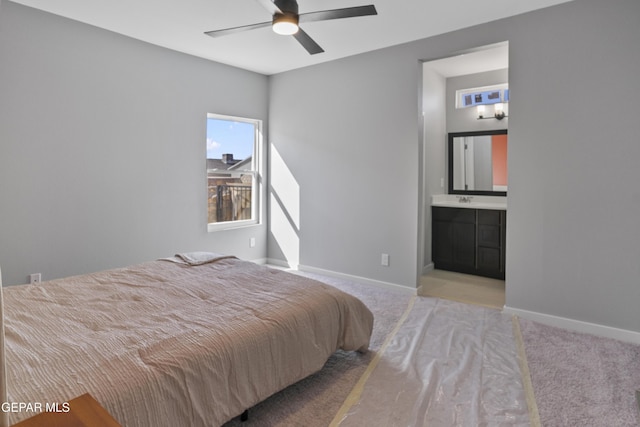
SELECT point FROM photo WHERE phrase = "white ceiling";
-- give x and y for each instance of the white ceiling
(180, 25)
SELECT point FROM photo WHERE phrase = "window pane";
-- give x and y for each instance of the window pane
(230, 197)
(230, 142)
(231, 169)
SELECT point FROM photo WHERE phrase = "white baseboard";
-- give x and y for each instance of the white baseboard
(280, 263)
(378, 283)
(427, 269)
(576, 325)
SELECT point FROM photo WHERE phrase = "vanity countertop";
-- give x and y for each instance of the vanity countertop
(469, 202)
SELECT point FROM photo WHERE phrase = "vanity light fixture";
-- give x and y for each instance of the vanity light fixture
(498, 112)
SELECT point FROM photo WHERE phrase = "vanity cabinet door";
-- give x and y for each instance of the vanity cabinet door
(442, 243)
(454, 239)
(464, 253)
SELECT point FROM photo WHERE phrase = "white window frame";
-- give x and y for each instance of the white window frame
(256, 184)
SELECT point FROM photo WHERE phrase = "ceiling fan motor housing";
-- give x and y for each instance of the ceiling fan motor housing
(287, 6)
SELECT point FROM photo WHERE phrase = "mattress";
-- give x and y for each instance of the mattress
(174, 343)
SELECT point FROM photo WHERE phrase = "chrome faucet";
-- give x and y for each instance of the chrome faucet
(464, 199)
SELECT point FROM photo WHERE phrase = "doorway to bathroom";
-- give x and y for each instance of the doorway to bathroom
(442, 78)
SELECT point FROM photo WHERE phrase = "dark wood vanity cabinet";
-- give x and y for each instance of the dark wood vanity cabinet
(454, 239)
(469, 241)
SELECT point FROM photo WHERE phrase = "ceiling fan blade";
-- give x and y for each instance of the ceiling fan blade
(270, 6)
(227, 31)
(307, 42)
(348, 12)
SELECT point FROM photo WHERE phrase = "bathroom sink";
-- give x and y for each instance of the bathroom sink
(469, 202)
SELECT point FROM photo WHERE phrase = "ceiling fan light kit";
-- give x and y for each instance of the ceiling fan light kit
(286, 21)
(285, 24)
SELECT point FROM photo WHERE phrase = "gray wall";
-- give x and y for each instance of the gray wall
(102, 148)
(573, 241)
(434, 154)
(465, 119)
(348, 130)
(573, 238)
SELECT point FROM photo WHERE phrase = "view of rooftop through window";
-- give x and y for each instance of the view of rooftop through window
(231, 171)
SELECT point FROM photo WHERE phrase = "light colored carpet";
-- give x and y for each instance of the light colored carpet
(580, 379)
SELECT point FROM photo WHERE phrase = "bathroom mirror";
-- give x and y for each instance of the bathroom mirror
(478, 163)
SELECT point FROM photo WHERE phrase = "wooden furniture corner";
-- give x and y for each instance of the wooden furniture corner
(84, 411)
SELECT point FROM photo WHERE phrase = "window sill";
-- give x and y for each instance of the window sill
(232, 225)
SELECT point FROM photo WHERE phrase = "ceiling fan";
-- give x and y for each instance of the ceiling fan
(286, 20)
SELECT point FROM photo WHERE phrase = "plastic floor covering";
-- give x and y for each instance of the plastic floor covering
(446, 364)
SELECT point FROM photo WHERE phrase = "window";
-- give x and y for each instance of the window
(233, 172)
(486, 95)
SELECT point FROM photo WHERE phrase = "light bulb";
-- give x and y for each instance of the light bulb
(285, 25)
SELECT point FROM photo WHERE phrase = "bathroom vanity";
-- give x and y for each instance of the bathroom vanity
(468, 234)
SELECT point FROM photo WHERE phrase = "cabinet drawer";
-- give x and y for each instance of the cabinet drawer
(454, 215)
(488, 216)
(489, 235)
(489, 260)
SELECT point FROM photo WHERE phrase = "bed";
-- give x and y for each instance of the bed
(193, 340)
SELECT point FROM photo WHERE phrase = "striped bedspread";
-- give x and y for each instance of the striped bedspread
(174, 344)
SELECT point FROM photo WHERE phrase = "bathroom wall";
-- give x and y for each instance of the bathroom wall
(465, 119)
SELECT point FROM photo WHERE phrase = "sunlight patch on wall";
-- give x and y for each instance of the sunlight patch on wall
(284, 199)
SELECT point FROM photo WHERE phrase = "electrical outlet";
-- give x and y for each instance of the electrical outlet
(35, 278)
(385, 260)
(252, 242)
